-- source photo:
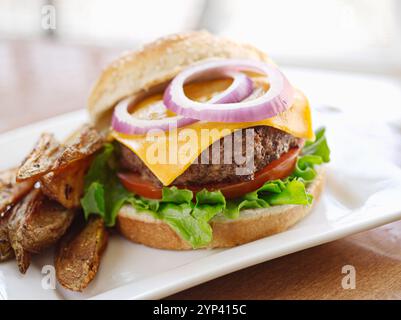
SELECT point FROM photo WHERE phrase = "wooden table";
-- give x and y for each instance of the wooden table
(42, 79)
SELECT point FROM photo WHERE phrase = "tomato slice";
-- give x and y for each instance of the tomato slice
(134, 183)
(277, 169)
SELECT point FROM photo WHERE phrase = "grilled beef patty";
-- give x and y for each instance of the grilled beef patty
(269, 144)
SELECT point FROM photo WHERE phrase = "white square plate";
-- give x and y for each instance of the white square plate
(363, 191)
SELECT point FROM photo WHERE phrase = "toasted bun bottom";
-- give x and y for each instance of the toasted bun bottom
(251, 225)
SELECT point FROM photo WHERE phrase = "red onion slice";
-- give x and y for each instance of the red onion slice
(124, 122)
(277, 99)
(240, 88)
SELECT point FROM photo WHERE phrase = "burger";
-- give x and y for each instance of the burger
(208, 145)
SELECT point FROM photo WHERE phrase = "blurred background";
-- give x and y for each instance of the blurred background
(52, 51)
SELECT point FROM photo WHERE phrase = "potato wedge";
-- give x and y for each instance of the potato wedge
(10, 190)
(16, 225)
(66, 186)
(81, 144)
(36, 223)
(23, 258)
(46, 225)
(6, 251)
(41, 159)
(78, 255)
(65, 183)
(49, 155)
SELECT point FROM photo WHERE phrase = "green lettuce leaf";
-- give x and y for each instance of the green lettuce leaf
(175, 195)
(104, 195)
(312, 154)
(93, 200)
(208, 204)
(190, 220)
(294, 192)
(178, 216)
(272, 193)
(176, 209)
(319, 147)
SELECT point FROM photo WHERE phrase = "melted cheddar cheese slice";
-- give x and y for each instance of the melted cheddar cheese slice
(168, 154)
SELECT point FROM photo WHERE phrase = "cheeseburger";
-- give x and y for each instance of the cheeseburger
(209, 145)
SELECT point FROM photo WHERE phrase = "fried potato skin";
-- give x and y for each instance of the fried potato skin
(41, 159)
(49, 155)
(12, 191)
(81, 144)
(61, 168)
(66, 186)
(6, 251)
(79, 253)
(36, 223)
(16, 226)
(46, 225)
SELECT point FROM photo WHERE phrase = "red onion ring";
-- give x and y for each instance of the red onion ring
(240, 88)
(124, 122)
(277, 99)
